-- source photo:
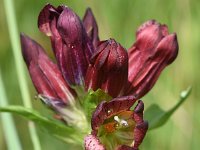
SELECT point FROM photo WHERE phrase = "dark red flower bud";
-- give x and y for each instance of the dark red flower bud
(45, 75)
(91, 27)
(153, 50)
(108, 69)
(72, 46)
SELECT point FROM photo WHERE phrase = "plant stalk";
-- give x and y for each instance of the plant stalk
(14, 38)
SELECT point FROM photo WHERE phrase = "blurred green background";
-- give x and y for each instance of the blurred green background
(119, 19)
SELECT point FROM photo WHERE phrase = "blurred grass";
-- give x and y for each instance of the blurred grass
(8, 125)
(119, 19)
(16, 49)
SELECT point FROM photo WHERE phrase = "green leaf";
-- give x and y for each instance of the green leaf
(158, 117)
(53, 127)
(92, 99)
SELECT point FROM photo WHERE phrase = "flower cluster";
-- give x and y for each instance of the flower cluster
(85, 63)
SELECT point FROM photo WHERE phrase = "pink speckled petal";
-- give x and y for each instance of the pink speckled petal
(92, 143)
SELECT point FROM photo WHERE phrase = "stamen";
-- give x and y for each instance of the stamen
(121, 122)
(124, 123)
(116, 118)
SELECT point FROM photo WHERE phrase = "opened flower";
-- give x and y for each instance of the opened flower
(86, 64)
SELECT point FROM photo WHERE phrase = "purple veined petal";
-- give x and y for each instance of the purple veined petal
(55, 77)
(166, 52)
(153, 50)
(141, 85)
(91, 27)
(75, 48)
(141, 125)
(47, 23)
(95, 74)
(139, 134)
(108, 69)
(47, 20)
(73, 33)
(168, 48)
(148, 36)
(117, 65)
(45, 75)
(70, 27)
(44, 20)
(31, 50)
(70, 43)
(27, 45)
(40, 81)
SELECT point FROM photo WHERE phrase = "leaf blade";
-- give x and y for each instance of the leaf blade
(50, 125)
(158, 117)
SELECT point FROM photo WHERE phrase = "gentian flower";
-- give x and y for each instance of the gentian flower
(85, 64)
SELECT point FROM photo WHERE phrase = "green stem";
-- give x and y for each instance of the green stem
(8, 124)
(14, 37)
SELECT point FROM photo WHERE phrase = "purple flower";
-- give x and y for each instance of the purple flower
(46, 76)
(153, 50)
(85, 63)
(71, 45)
(117, 125)
(108, 69)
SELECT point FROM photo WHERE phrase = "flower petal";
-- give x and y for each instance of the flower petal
(46, 19)
(45, 75)
(70, 42)
(76, 49)
(141, 125)
(125, 147)
(108, 69)
(140, 128)
(91, 27)
(73, 33)
(168, 48)
(116, 122)
(40, 82)
(148, 35)
(92, 143)
(106, 109)
(153, 50)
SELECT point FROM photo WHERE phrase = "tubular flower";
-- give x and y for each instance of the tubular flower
(85, 64)
(153, 50)
(108, 68)
(71, 45)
